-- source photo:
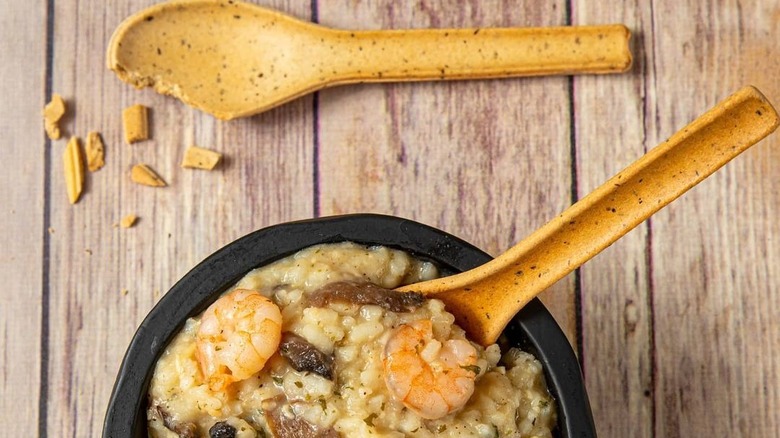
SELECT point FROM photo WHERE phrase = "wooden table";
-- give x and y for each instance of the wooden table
(676, 325)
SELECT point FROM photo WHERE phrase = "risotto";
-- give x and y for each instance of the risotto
(318, 345)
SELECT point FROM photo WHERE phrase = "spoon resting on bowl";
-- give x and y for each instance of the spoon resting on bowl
(233, 59)
(486, 298)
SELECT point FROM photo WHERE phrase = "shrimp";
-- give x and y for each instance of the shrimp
(430, 377)
(237, 335)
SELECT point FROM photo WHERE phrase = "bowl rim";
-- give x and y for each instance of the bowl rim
(533, 328)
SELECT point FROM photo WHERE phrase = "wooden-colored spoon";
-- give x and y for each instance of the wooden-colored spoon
(486, 298)
(234, 59)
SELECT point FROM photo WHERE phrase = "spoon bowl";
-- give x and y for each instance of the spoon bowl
(234, 59)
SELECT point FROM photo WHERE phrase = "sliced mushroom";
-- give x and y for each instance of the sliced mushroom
(180, 428)
(284, 426)
(304, 356)
(366, 293)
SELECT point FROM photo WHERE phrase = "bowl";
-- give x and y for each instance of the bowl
(533, 329)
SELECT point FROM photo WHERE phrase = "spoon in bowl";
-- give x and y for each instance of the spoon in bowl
(233, 59)
(486, 298)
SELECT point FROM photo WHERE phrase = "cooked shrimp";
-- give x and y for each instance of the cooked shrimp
(237, 335)
(430, 377)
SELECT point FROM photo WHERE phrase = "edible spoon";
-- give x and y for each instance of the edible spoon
(234, 59)
(486, 298)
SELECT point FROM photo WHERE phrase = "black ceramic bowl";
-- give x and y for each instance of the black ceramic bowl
(534, 330)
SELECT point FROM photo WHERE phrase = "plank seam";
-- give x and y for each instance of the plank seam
(316, 133)
(578, 317)
(43, 390)
(649, 236)
(574, 191)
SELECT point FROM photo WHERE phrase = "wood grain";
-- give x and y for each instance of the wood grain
(680, 333)
(616, 307)
(467, 157)
(714, 253)
(23, 84)
(265, 179)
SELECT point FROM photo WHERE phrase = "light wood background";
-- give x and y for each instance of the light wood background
(677, 325)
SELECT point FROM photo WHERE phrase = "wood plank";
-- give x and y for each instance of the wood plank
(715, 255)
(453, 155)
(23, 82)
(488, 161)
(266, 179)
(616, 311)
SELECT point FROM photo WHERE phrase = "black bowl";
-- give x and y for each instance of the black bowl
(533, 329)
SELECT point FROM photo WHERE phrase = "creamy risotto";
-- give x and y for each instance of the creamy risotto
(318, 345)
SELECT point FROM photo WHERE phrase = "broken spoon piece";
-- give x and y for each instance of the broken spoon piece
(234, 59)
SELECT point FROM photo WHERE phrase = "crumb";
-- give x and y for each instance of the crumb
(52, 113)
(143, 174)
(200, 158)
(88, 251)
(124, 292)
(95, 152)
(73, 162)
(51, 230)
(136, 123)
(128, 221)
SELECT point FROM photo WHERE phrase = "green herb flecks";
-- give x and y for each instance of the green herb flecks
(370, 419)
(473, 368)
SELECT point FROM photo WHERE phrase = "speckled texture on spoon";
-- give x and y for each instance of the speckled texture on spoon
(234, 59)
(485, 299)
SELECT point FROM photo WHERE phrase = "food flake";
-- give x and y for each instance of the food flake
(74, 169)
(200, 158)
(95, 152)
(128, 221)
(52, 113)
(143, 174)
(136, 123)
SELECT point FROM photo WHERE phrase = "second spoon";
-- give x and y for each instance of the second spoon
(234, 59)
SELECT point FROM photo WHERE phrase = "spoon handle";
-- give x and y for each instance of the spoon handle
(439, 54)
(488, 297)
